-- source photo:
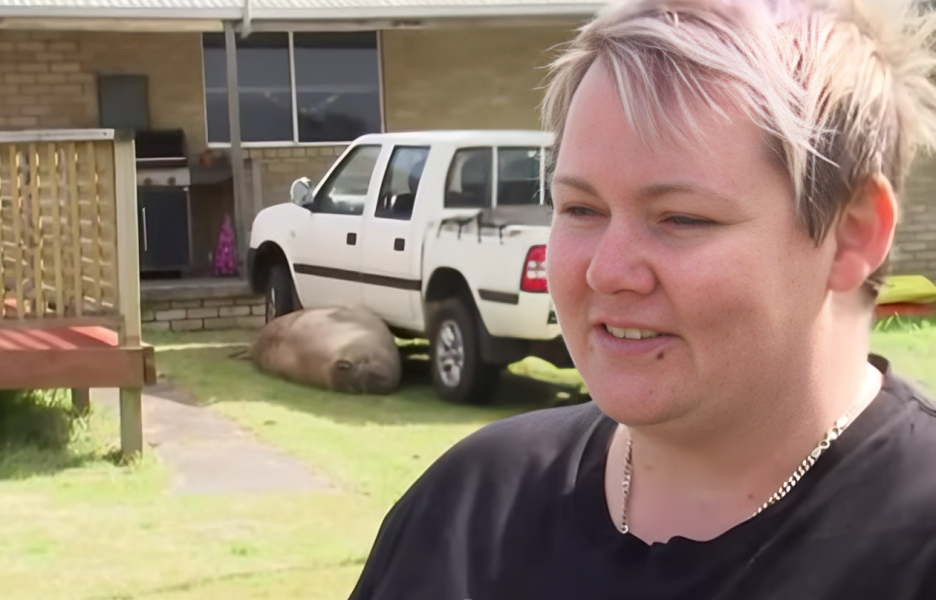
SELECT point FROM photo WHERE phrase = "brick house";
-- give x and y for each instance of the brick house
(312, 75)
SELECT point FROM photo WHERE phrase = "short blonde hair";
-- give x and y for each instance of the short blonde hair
(842, 93)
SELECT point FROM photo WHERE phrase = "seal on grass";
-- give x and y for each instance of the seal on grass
(346, 350)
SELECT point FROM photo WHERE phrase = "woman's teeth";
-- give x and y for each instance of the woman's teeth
(632, 334)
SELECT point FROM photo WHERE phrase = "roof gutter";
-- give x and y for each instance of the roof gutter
(132, 14)
(247, 13)
(392, 13)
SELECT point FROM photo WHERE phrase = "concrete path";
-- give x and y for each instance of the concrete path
(208, 453)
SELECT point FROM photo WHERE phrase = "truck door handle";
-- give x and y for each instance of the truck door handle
(352, 239)
(399, 244)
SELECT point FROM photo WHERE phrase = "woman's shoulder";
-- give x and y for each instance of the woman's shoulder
(540, 433)
(520, 448)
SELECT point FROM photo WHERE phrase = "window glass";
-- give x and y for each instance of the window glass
(398, 191)
(264, 87)
(337, 85)
(518, 176)
(345, 192)
(468, 184)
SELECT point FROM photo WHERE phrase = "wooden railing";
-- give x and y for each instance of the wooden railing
(68, 233)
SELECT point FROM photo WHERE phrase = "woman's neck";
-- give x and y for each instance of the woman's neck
(700, 487)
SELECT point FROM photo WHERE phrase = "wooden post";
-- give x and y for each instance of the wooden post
(81, 400)
(71, 159)
(98, 271)
(36, 241)
(128, 282)
(53, 171)
(16, 193)
(237, 152)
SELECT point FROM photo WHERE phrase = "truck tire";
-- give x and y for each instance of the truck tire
(458, 373)
(280, 294)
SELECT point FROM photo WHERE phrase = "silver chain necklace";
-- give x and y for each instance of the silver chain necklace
(785, 489)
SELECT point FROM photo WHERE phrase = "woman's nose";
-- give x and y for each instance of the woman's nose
(619, 263)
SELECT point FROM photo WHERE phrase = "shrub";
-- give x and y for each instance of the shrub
(40, 419)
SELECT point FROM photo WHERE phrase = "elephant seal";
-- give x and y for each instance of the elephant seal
(346, 350)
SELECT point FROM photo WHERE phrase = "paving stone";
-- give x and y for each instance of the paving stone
(202, 313)
(170, 315)
(218, 302)
(186, 303)
(233, 311)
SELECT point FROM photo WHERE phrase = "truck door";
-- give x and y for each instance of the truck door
(392, 248)
(327, 247)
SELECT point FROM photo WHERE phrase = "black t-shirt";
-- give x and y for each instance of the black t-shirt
(517, 511)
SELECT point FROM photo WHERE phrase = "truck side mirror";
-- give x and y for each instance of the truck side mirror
(301, 191)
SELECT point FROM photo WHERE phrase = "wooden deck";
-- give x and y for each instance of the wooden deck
(72, 357)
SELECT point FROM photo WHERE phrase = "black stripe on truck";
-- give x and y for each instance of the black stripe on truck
(502, 297)
(412, 285)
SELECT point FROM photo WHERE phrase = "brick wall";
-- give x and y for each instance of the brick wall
(280, 167)
(467, 78)
(210, 313)
(915, 241)
(43, 84)
(48, 79)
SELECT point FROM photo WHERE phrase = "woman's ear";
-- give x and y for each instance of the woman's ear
(863, 234)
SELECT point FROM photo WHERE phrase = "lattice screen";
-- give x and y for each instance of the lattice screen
(58, 230)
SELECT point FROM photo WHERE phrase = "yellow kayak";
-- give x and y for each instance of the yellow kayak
(913, 289)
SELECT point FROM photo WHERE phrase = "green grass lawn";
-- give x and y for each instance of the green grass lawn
(76, 526)
(911, 347)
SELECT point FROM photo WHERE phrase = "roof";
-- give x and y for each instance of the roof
(294, 9)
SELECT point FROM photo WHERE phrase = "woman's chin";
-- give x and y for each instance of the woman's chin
(639, 403)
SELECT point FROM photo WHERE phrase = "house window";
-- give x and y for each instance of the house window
(337, 86)
(296, 87)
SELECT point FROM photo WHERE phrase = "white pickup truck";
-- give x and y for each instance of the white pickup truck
(441, 234)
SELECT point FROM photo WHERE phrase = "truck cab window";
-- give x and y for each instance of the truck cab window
(345, 192)
(398, 191)
(468, 184)
(518, 176)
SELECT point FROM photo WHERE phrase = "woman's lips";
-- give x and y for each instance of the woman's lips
(632, 341)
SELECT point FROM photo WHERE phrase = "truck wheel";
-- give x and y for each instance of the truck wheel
(279, 292)
(458, 372)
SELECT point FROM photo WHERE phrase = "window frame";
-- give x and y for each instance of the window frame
(388, 174)
(337, 172)
(295, 143)
(542, 171)
(493, 181)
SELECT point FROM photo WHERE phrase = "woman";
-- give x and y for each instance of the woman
(724, 194)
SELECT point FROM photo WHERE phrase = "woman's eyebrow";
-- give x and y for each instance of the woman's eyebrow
(666, 189)
(576, 182)
(647, 193)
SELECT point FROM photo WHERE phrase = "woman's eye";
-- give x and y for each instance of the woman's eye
(579, 211)
(685, 221)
